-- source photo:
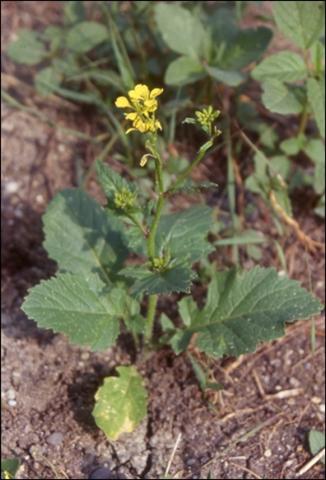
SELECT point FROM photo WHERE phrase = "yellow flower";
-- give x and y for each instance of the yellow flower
(144, 105)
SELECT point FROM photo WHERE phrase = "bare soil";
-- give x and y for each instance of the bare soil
(255, 428)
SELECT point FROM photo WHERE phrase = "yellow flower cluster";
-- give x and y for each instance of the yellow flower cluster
(144, 105)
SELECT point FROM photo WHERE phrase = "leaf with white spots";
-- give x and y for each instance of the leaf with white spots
(121, 403)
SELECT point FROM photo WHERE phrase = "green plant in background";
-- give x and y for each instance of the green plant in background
(97, 290)
(294, 84)
(9, 468)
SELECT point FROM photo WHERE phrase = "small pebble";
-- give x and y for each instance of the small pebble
(316, 400)
(39, 198)
(12, 187)
(11, 394)
(322, 408)
(85, 356)
(12, 403)
(268, 453)
(55, 438)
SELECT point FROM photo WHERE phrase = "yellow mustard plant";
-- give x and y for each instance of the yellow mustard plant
(143, 104)
(206, 118)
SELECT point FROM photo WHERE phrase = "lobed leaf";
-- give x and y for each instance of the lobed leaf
(246, 308)
(121, 403)
(77, 307)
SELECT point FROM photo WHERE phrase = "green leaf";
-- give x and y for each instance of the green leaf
(246, 308)
(187, 310)
(175, 278)
(279, 99)
(182, 31)
(84, 36)
(184, 233)
(189, 186)
(320, 208)
(283, 66)
(301, 21)
(246, 47)
(247, 236)
(315, 149)
(316, 442)
(74, 11)
(292, 146)
(78, 307)
(121, 403)
(46, 80)
(81, 237)
(316, 97)
(111, 182)
(229, 77)
(27, 49)
(9, 466)
(103, 77)
(183, 70)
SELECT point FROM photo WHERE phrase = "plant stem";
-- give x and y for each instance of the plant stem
(183, 175)
(231, 191)
(152, 301)
(151, 310)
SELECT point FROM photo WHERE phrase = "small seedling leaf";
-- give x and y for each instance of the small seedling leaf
(121, 403)
(84, 36)
(27, 49)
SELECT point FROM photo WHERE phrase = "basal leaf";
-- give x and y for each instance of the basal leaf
(183, 70)
(301, 21)
(121, 403)
(73, 305)
(81, 237)
(182, 31)
(184, 233)
(84, 36)
(279, 99)
(316, 97)
(246, 308)
(283, 66)
(27, 49)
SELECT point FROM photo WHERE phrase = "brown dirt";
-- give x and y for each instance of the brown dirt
(255, 428)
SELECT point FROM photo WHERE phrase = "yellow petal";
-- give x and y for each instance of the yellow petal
(144, 159)
(151, 105)
(130, 130)
(156, 92)
(122, 102)
(131, 116)
(140, 92)
(158, 125)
